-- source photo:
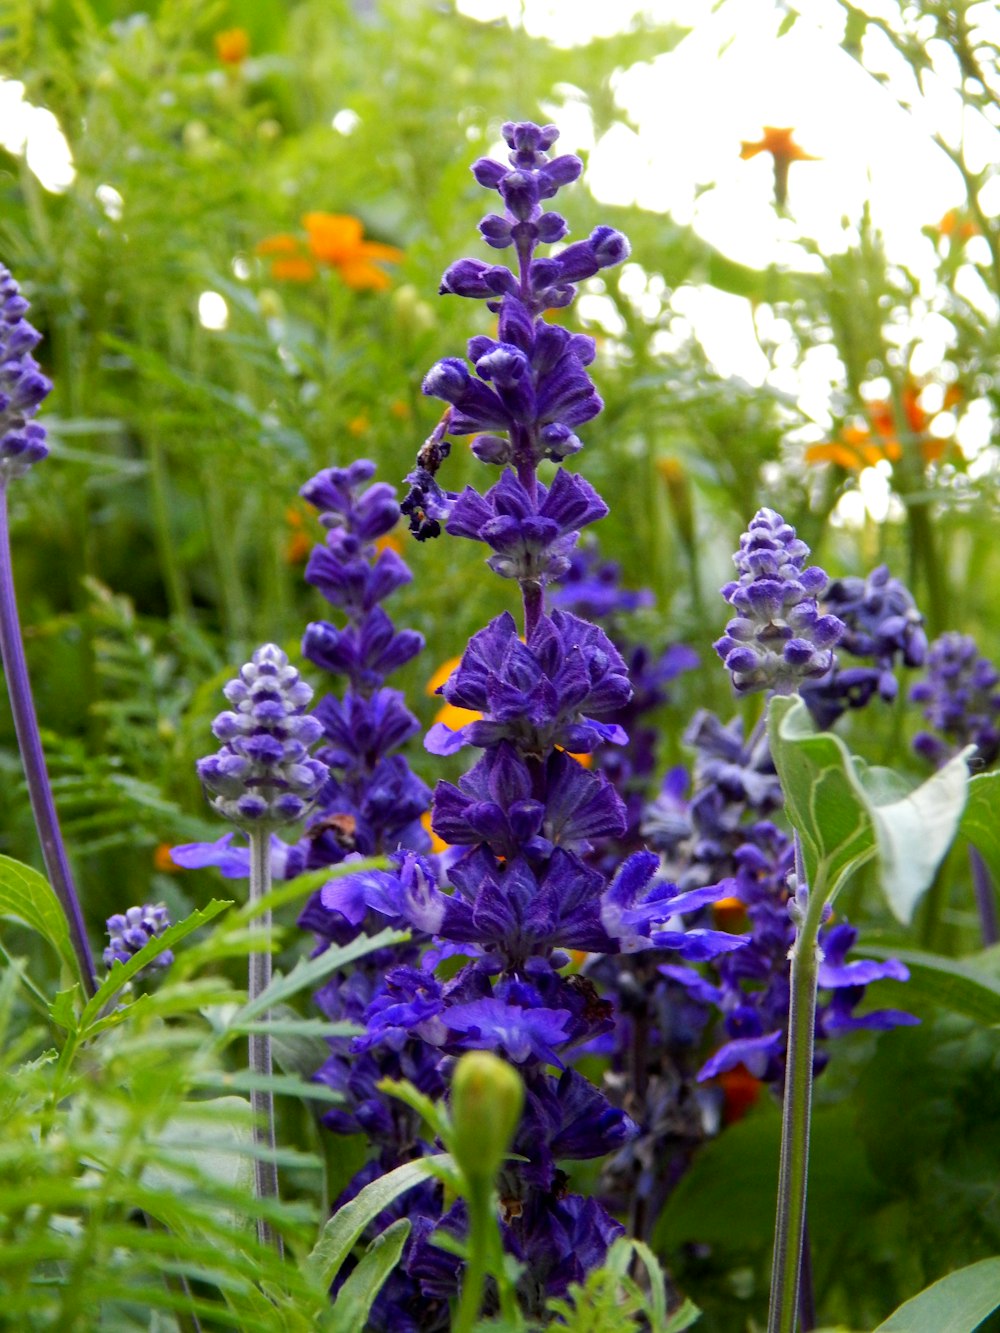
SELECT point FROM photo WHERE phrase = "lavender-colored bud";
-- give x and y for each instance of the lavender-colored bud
(488, 173)
(132, 930)
(519, 191)
(465, 278)
(491, 449)
(448, 380)
(778, 638)
(263, 774)
(551, 228)
(22, 385)
(496, 231)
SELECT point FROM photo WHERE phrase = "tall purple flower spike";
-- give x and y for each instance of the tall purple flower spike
(778, 638)
(22, 443)
(263, 776)
(517, 891)
(23, 387)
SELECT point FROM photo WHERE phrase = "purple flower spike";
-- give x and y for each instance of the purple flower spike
(263, 775)
(22, 385)
(132, 930)
(961, 695)
(778, 638)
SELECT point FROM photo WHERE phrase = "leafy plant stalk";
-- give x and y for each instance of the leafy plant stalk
(796, 1111)
(262, 1099)
(33, 757)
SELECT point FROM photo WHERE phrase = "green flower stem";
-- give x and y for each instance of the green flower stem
(36, 773)
(795, 1117)
(484, 1245)
(262, 1099)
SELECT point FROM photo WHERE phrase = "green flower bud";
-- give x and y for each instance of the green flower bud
(487, 1097)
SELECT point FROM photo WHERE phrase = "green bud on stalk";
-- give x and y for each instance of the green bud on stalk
(487, 1098)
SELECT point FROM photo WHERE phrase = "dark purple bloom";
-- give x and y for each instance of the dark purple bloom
(961, 698)
(778, 638)
(132, 930)
(882, 627)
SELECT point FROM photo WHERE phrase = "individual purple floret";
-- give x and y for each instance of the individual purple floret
(961, 698)
(22, 385)
(882, 626)
(778, 639)
(131, 931)
(263, 776)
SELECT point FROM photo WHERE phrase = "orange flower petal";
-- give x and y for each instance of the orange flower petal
(438, 845)
(740, 1091)
(232, 46)
(163, 861)
(832, 452)
(294, 270)
(361, 276)
(442, 674)
(282, 244)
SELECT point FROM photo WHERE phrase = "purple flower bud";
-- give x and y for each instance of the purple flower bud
(22, 385)
(132, 930)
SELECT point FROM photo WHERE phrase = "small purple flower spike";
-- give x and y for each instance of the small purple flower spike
(778, 637)
(263, 775)
(961, 694)
(132, 930)
(22, 385)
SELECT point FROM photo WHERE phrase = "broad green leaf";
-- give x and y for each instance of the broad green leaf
(950, 982)
(957, 1303)
(29, 897)
(309, 971)
(356, 1296)
(981, 819)
(345, 1227)
(122, 972)
(845, 811)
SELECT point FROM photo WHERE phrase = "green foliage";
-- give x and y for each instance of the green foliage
(957, 1303)
(846, 812)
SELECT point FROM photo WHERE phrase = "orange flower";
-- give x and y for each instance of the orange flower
(299, 543)
(740, 1090)
(337, 239)
(232, 46)
(859, 447)
(784, 151)
(956, 226)
(163, 861)
(400, 410)
(295, 269)
(390, 542)
(729, 913)
(357, 426)
(438, 845)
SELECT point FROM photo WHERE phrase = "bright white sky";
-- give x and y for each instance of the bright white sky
(728, 79)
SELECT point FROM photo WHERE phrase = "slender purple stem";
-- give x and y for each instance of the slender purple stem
(33, 757)
(986, 899)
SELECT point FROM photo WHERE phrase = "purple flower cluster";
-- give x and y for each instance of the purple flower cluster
(263, 775)
(132, 930)
(778, 639)
(22, 385)
(961, 698)
(883, 627)
(518, 892)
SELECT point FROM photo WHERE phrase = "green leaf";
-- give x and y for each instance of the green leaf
(948, 982)
(845, 811)
(122, 972)
(309, 971)
(29, 897)
(343, 1229)
(245, 1080)
(981, 819)
(957, 1303)
(356, 1296)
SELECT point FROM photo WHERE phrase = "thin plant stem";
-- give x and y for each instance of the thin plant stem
(986, 900)
(807, 1298)
(262, 1099)
(29, 742)
(796, 1112)
(485, 1253)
